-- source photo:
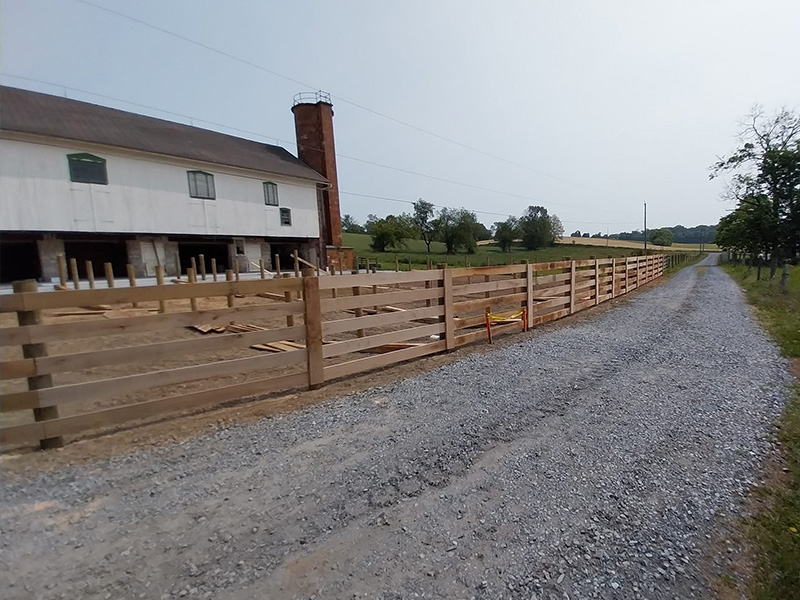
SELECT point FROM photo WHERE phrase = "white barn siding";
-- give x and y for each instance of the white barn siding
(142, 196)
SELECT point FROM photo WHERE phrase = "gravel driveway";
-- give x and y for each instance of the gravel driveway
(587, 461)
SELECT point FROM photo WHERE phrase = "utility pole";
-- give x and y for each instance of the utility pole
(645, 228)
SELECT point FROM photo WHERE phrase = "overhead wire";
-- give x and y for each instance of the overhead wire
(336, 96)
(338, 155)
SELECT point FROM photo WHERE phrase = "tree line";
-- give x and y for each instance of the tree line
(701, 234)
(457, 228)
(661, 237)
(765, 185)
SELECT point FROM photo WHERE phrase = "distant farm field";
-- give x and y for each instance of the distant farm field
(486, 253)
(631, 244)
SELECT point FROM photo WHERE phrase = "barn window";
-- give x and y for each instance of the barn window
(87, 168)
(286, 216)
(270, 193)
(201, 185)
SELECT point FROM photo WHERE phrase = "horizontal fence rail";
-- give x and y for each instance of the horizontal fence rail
(74, 361)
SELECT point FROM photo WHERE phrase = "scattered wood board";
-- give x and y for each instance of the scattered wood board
(78, 313)
(209, 328)
(128, 312)
(392, 347)
(178, 281)
(271, 296)
(98, 307)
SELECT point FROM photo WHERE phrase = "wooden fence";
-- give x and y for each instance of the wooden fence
(78, 360)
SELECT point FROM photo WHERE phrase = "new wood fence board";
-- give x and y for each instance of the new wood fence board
(380, 320)
(34, 334)
(372, 341)
(17, 368)
(391, 298)
(348, 281)
(132, 383)
(374, 362)
(110, 356)
(72, 298)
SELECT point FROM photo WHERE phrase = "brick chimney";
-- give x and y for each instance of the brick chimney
(313, 123)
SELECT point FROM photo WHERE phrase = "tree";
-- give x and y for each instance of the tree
(557, 226)
(536, 228)
(456, 229)
(599, 234)
(576, 233)
(748, 229)
(482, 232)
(350, 225)
(767, 164)
(661, 237)
(586, 234)
(424, 221)
(505, 232)
(391, 231)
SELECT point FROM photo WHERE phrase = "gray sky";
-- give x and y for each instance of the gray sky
(607, 104)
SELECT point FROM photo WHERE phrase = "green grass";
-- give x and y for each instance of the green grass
(776, 529)
(691, 260)
(415, 252)
(778, 310)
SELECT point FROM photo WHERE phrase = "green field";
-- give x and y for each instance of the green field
(776, 529)
(415, 252)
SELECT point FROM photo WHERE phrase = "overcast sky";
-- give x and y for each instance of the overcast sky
(605, 105)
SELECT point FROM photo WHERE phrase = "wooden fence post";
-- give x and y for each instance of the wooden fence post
(261, 268)
(358, 311)
(229, 277)
(277, 264)
(62, 269)
(37, 382)
(572, 287)
(109, 274)
(596, 282)
(613, 278)
(287, 297)
(191, 274)
(132, 282)
(313, 318)
(449, 314)
(214, 269)
(202, 261)
(73, 270)
(162, 304)
(529, 284)
(90, 274)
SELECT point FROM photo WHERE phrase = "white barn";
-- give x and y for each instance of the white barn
(104, 185)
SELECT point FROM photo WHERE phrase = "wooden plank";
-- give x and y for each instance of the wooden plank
(373, 341)
(553, 316)
(449, 313)
(17, 368)
(490, 286)
(131, 412)
(313, 318)
(488, 271)
(547, 305)
(21, 434)
(71, 298)
(596, 282)
(102, 327)
(371, 279)
(479, 334)
(572, 288)
(11, 303)
(374, 362)
(393, 298)
(529, 285)
(412, 314)
(127, 384)
(19, 401)
(469, 305)
(146, 352)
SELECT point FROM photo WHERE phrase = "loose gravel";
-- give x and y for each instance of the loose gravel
(591, 460)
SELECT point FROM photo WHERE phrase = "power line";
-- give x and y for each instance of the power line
(338, 155)
(340, 98)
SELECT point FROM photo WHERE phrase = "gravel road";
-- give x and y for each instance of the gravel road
(590, 460)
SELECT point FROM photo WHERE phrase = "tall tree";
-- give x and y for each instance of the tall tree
(456, 229)
(350, 225)
(505, 232)
(767, 163)
(391, 231)
(661, 237)
(536, 228)
(425, 222)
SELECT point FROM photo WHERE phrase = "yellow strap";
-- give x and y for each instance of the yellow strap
(507, 318)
